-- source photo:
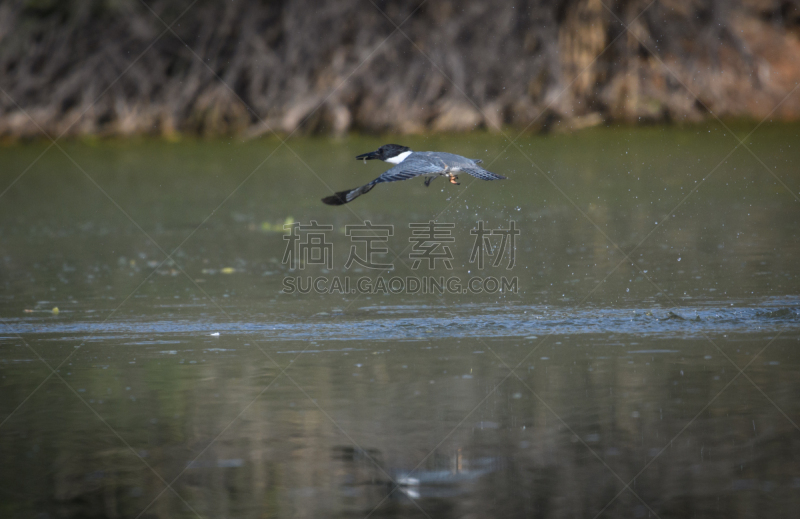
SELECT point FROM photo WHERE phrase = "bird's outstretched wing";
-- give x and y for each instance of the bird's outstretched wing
(409, 168)
(482, 173)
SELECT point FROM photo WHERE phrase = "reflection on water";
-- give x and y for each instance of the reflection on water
(599, 373)
(369, 413)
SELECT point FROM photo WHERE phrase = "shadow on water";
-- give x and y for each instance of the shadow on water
(595, 373)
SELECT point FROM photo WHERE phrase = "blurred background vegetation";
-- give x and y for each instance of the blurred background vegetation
(112, 67)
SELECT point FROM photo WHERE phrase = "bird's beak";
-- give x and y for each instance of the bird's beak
(373, 155)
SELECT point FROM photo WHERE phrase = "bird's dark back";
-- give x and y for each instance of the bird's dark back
(442, 159)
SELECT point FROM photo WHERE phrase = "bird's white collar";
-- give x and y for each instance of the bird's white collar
(400, 158)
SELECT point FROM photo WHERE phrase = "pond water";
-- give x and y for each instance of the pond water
(636, 355)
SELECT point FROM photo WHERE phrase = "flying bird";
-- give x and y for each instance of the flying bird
(409, 164)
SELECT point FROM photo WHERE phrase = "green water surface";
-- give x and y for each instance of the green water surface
(644, 364)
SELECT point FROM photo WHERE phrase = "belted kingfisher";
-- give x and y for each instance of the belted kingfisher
(411, 164)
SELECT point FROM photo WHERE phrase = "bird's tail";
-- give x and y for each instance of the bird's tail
(348, 195)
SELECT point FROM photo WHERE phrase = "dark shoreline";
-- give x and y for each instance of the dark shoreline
(97, 69)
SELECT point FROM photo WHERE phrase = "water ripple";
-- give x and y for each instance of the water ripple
(380, 323)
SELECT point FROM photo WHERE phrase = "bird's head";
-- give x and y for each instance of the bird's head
(393, 153)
